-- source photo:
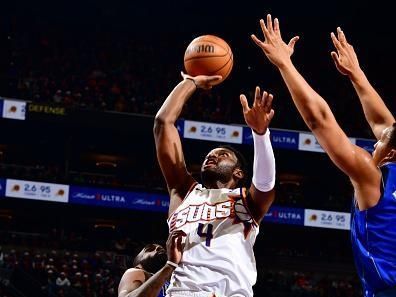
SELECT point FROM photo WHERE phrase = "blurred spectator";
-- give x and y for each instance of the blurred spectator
(50, 287)
(62, 282)
(113, 72)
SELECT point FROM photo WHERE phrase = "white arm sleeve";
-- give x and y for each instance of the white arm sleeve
(263, 162)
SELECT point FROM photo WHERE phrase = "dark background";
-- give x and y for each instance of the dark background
(158, 32)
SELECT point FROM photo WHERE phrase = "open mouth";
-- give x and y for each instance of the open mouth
(210, 163)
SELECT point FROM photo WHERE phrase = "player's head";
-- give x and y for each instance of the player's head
(151, 258)
(385, 148)
(224, 164)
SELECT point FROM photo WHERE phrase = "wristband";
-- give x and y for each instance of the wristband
(174, 265)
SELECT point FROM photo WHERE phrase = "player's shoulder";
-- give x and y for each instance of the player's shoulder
(134, 274)
(132, 279)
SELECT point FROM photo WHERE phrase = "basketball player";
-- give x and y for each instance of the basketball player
(220, 216)
(373, 226)
(151, 271)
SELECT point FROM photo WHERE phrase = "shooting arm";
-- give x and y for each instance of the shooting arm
(168, 144)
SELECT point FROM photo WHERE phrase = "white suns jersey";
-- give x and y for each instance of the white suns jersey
(218, 253)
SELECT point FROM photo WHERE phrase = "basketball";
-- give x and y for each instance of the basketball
(208, 55)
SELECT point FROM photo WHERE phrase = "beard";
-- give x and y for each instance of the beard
(221, 173)
(155, 263)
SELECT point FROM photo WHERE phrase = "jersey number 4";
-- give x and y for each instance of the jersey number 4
(208, 234)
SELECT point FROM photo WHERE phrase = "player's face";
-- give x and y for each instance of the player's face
(152, 258)
(382, 149)
(153, 250)
(219, 164)
(219, 157)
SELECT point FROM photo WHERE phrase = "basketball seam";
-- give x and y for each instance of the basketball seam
(205, 57)
(214, 71)
(229, 70)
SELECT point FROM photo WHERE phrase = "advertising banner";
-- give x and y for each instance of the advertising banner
(212, 132)
(308, 142)
(2, 187)
(41, 108)
(327, 219)
(1, 107)
(367, 144)
(279, 138)
(285, 215)
(180, 127)
(37, 190)
(119, 199)
(14, 109)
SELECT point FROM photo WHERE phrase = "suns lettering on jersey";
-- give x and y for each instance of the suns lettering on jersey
(203, 212)
(234, 208)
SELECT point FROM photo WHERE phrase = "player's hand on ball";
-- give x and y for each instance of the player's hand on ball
(205, 82)
(174, 246)
(261, 113)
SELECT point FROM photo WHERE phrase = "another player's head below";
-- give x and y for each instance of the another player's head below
(151, 258)
(225, 167)
(385, 148)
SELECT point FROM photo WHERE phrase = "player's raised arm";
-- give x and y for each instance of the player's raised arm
(377, 114)
(354, 161)
(167, 140)
(134, 284)
(258, 118)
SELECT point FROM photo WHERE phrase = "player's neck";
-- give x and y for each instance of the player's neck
(217, 184)
(146, 273)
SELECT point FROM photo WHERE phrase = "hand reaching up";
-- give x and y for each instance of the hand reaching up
(273, 46)
(345, 58)
(260, 114)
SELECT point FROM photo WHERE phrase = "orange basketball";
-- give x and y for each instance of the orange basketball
(208, 55)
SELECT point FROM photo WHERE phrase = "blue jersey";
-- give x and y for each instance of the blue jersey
(373, 234)
(163, 290)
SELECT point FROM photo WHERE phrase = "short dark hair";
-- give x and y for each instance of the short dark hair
(137, 260)
(151, 263)
(241, 163)
(392, 137)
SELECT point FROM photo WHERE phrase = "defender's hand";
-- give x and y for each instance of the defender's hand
(174, 246)
(345, 58)
(276, 50)
(260, 115)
